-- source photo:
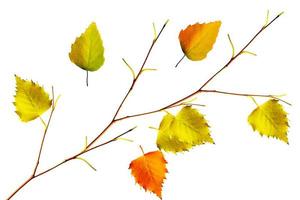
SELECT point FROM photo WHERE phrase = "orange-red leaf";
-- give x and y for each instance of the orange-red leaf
(198, 39)
(149, 171)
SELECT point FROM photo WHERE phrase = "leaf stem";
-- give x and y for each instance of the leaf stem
(42, 121)
(130, 68)
(250, 53)
(87, 78)
(232, 46)
(267, 18)
(255, 102)
(87, 162)
(180, 60)
(142, 149)
(154, 31)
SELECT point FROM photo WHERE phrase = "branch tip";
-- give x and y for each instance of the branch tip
(167, 21)
(281, 13)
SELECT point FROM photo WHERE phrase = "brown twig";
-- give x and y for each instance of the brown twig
(247, 95)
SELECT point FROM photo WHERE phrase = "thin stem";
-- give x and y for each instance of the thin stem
(43, 121)
(154, 31)
(180, 60)
(42, 143)
(44, 135)
(267, 18)
(87, 162)
(247, 95)
(232, 46)
(125, 139)
(87, 78)
(130, 68)
(142, 149)
(254, 101)
(250, 53)
(85, 142)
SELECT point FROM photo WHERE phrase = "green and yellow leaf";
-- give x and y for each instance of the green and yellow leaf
(149, 171)
(31, 100)
(198, 39)
(270, 119)
(183, 131)
(87, 52)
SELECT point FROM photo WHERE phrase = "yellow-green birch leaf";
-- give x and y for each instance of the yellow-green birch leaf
(270, 119)
(87, 52)
(183, 131)
(31, 100)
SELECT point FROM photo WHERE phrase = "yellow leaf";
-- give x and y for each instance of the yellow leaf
(198, 39)
(183, 131)
(31, 100)
(270, 119)
(149, 171)
(87, 52)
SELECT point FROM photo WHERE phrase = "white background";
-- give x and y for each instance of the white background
(35, 38)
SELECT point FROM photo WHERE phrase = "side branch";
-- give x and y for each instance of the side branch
(247, 95)
(130, 89)
(45, 133)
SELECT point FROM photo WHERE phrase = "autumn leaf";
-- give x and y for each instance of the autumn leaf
(31, 100)
(198, 39)
(270, 119)
(149, 171)
(87, 52)
(183, 131)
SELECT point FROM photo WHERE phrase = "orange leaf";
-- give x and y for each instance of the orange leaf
(198, 39)
(149, 171)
